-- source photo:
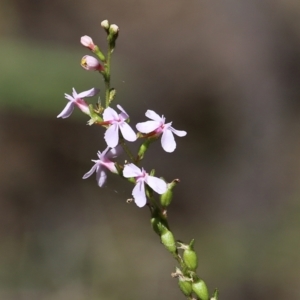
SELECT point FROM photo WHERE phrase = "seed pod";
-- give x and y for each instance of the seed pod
(190, 259)
(200, 289)
(185, 286)
(168, 240)
(166, 198)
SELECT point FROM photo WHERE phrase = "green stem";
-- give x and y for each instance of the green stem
(107, 77)
(126, 149)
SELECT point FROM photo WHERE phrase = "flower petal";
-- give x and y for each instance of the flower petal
(124, 114)
(139, 195)
(157, 184)
(178, 132)
(114, 152)
(70, 98)
(111, 136)
(148, 126)
(110, 114)
(167, 141)
(131, 170)
(153, 115)
(90, 172)
(101, 176)
(67, 111)
(127, 132)
(89, 93)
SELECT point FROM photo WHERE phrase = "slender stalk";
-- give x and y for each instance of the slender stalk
(107, 77)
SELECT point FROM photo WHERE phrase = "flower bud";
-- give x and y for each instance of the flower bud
(87, 42)
(113, 35)
(90, 63)
(185, 286)
(200, 289)
(168, 240)
(114, 29)
(105, 24)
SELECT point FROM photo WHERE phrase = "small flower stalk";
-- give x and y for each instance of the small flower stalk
(117, 134)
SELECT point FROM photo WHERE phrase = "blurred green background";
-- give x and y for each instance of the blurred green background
(227, 72)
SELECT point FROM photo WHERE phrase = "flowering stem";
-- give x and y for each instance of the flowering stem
(126, 149)
(107, 77)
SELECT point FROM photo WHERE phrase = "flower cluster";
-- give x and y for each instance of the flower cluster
(117, 126)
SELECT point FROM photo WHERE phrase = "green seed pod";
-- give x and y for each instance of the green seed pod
(185, 286)
(190, 259)
(168, 240)
(166, 198)
(200, 289)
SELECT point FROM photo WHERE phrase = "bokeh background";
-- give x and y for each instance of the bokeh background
(227, 72)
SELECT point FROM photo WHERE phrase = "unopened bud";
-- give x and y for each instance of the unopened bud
(90, 63)
(200, 289)
(114, 29)
(105, 24)
(87, 42)
(113, 33)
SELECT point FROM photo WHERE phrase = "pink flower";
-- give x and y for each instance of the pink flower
(158, 127)
(87, 42)
(103, 164)
(141, 177)
(117, 121)
(90, 63)
(77, 100)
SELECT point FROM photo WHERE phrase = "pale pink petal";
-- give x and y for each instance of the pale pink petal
(124, 114)
(114, 152)
(167, 141)
(90, 172)
(148, 126)
(67, 111)
(101, 176)
(127, 132)
(70, 98)
(89, 93)
(111, 136)
(139, 195)
(153, 115)
(131, 170)
(157, 184)
(178, 132)
(110, 114)
(74, 93)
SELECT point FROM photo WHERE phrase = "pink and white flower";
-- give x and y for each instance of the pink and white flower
(91, 63)
(77, 100)
(117, 121)
(87, 42)
(142, 177)
(158, 127)
(103, 164)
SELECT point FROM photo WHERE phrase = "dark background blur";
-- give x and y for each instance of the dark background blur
(227, 72)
